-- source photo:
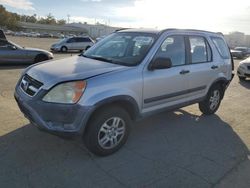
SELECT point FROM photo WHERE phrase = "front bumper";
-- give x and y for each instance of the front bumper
(52, 117)
(243, 72)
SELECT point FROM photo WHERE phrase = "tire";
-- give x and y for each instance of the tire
(212, 101)
(40, 58)
(107, 131)
(242, 78)
(64, 49)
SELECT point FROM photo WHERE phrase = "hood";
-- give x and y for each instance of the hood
(73, 68)
(245, 62)
(37, 49)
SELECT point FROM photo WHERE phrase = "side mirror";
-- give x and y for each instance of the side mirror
(12, 47)
(160, 63)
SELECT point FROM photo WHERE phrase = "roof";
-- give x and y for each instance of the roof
(155, 31)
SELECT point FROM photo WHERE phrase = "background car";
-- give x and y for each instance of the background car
(237, 53)
(11, 53)
(72, 43)
(243, 71)
(245, 50)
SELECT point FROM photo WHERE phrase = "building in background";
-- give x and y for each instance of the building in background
(235, 39)
(93, 31)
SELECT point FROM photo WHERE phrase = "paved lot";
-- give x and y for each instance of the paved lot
(172, 149)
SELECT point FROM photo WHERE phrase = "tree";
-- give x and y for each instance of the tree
(61, 22)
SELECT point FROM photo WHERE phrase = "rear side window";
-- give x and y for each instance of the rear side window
(221, 47)
(200, 50)
(84, 39)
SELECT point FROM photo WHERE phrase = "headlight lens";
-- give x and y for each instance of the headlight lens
(69, 92)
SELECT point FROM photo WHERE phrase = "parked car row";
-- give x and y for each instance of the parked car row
(240, 52)
(12, 53)
(36, 34)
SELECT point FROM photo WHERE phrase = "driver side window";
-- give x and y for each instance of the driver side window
(173, 48)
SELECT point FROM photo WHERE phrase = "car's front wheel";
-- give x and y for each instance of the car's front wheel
(107, 131)
(212, 101)
(64, 49)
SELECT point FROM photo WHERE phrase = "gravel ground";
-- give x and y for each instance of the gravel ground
(181, 148)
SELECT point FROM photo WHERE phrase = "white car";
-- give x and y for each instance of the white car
(72, 43)
(244, 69)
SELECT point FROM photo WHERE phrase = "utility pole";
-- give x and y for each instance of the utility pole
(68, 18)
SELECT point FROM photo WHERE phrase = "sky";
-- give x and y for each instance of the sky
(213, 15)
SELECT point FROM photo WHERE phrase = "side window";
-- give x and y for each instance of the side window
(221, 47)
(174, 48)
(200, 50)
(3, 43)
(86, 39)
(72, 40)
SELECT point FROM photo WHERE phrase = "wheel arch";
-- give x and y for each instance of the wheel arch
(126, 102)
(40, 55)
(222, 82)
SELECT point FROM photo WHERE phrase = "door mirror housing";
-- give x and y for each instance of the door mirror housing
(11, 47)
(160, 63)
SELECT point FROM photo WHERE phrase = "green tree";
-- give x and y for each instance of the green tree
(61, 22)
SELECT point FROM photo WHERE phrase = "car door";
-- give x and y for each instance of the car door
(11, 54)
(167, 87)
(202, 69)
(81, 43)
(72, 44)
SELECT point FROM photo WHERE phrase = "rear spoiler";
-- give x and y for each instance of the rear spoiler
(2, 35)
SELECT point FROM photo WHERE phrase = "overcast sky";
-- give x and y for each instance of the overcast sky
(213, 15)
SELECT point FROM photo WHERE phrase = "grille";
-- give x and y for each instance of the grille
(29, 85)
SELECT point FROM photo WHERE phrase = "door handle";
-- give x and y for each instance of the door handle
(214, 67)
(184, 72)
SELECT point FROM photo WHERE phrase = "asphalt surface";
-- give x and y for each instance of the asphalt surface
(181, 148)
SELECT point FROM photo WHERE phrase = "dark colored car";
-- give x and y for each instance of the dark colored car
(11, 53)
(237, 53)
(245, 50)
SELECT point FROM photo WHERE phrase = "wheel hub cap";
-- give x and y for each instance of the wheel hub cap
(111, 132)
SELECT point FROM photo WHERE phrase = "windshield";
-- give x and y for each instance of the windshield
(62, 41)
(125, 48)
(14, 44)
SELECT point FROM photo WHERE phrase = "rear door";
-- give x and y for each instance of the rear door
(203, 68)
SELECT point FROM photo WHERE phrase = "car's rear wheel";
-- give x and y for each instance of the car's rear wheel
(107, 131)
(64, 49)
(40, 58)
(212, 101)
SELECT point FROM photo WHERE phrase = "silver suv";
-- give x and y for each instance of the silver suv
(126, 76)
(72, 43)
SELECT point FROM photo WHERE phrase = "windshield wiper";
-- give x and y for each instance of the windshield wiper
(99, 58)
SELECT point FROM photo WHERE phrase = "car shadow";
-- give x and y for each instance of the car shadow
(245, 83)
(171, 149)
(14, 66)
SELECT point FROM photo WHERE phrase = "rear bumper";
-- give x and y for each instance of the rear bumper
(54, 118)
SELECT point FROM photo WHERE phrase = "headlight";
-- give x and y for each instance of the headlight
(69, 92)
(242, 67)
